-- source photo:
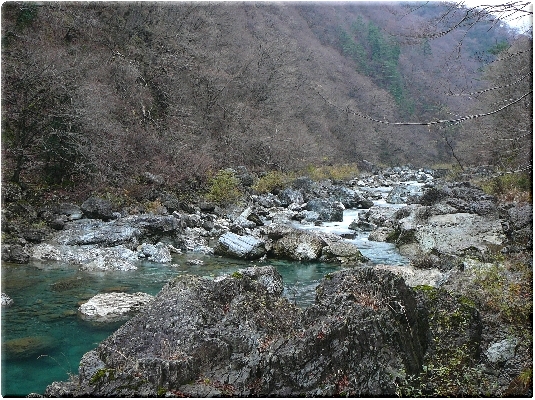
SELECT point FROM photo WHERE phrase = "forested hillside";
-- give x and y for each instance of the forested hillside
(101, 93)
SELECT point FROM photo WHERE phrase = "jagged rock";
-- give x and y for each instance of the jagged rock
(328, 211)
(233, 245)
(111, 307)
(399, 194)
(342, 252)
(96, 207)
(6, 300)
(158, 253)
(291, 196)
(236, 336)
(15, 253)
(299, 245)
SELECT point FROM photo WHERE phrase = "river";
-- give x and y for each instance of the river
(43, 339)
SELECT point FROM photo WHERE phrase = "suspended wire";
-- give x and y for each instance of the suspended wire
(428, 123)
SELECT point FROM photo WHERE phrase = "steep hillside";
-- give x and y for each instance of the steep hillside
(103, 92)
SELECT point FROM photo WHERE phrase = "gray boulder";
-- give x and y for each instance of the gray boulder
(328, 210)
(158, 253)
(343, 252)
(112, 307)
(299, 245)
(233, 245)
(98, 208)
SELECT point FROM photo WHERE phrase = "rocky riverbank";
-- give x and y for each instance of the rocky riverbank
(368, 334)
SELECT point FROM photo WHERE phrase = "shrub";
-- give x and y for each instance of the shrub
(335, 172)
(509, 187)
(272, 181)
(224, 188)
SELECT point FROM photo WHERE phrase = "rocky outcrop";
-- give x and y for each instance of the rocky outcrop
(15, 253)
(112, 307)
(236, 336)
(247, 247)
(90, 258)
(128, 230)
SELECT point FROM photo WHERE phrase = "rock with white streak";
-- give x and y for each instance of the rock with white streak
(111, 307)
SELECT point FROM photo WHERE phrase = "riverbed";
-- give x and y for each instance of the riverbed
(44, 338)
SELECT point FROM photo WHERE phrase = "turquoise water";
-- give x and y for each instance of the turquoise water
(46, 296)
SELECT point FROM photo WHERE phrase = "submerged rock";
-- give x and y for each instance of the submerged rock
(236, 336)
(26, 347)
(111, 307)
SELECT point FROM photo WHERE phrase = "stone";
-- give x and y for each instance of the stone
(6, 300)
(455, 233)
(15, 253)
(98, 208)
(328, 211)
(233, 245)
(299, 245)
(343, 252)
(69, 210)
(158, 253)
(502, 351)
(291, 196)
(27, 347)
(112, 307)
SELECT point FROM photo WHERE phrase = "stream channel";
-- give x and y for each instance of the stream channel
(43, 339)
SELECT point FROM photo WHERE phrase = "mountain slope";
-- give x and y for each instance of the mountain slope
(178, 89)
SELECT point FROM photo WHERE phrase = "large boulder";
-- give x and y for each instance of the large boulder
(233, 245)
(236, 336)
(343, 252)
(327, 210)
(128, 230)
(98, 208)
(451, 234)
(298, 245)
(158, 253)
(90, 258)
(112, 307)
